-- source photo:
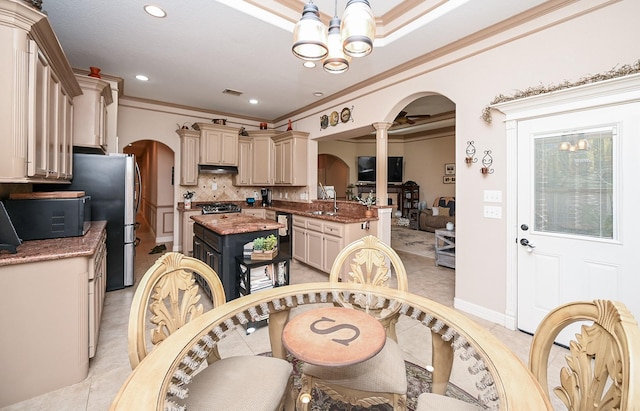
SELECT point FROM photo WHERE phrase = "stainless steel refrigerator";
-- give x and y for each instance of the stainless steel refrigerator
(113, 182)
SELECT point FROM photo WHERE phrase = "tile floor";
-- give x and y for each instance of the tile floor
(110, 367)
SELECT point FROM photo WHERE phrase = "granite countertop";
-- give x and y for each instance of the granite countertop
(56, 248)
(348, 211)
(235, 223)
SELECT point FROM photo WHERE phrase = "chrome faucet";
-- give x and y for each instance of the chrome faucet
(335, 203)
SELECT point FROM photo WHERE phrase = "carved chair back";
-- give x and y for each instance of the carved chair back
(370, 261)
(168, 297)
(603, 363)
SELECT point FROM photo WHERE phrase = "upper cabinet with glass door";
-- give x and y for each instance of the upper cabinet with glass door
(40, 87)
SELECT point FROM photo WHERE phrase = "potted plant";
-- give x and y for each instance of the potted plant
(270, 243)
(265, 248)
(367, 201)
(258, 245)
(187, 199)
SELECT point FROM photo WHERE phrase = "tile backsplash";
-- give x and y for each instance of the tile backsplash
(219, 187)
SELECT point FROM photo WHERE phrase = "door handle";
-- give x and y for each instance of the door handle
(527, 244)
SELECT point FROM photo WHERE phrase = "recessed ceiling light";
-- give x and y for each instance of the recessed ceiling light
(142, 77)
(309, 64)
(253, 101)
(154, 11)
(318, 93)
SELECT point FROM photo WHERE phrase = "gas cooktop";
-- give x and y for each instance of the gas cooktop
(218, 208)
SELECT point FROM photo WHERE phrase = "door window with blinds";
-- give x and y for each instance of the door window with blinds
(574, 190)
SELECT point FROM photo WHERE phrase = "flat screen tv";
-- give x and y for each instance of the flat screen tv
(367, 169)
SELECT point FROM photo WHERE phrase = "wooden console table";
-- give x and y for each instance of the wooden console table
(446, 248)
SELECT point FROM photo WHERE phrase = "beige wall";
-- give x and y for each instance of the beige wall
(580, 39)
(424, 161)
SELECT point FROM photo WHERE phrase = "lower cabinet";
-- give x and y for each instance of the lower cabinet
(97, 289)
(255, 212)
(187, 231)
(52, 310)
(317, 242)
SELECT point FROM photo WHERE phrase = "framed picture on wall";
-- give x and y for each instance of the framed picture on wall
(450, 169)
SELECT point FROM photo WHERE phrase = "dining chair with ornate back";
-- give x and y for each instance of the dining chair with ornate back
(382, 378)
(167, 298)
(603, 364)
(603, 361)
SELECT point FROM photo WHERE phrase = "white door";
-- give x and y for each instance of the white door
(578, 219)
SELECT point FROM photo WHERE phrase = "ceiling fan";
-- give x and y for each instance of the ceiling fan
(404, 118)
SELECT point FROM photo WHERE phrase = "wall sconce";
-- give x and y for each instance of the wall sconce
(487, 161)
(471, 153)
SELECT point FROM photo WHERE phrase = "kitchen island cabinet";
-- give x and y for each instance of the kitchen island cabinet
(219, 238)
(52, 298)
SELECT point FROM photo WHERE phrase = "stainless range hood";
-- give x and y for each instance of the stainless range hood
(209, 169)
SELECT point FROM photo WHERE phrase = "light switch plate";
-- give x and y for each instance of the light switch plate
(493, 212)
(492, 196)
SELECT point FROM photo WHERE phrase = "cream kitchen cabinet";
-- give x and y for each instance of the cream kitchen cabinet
(218, 144)
(317, 242)
(90, 116)
(262, 173)
(40, 87)
(52, 298)
(245, 163)
(262, 157)
(97, 289)
(270, 215)
(189, 156)
(187, 231)
(255, 159)
(290, 165)
(255, 212)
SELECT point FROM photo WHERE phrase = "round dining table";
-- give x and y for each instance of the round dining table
(509, 383)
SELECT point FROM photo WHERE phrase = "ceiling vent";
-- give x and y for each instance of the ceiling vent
(232, 92)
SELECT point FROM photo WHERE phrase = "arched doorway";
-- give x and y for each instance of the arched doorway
(333, 171)
(156, 163)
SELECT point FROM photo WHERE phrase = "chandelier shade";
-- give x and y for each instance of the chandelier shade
(310, 35)
(336, 62)
(358, 28)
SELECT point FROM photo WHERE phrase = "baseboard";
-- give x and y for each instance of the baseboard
(484, 313)
(168, 239)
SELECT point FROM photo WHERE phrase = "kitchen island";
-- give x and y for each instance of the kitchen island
(219, 238)
(52, 297)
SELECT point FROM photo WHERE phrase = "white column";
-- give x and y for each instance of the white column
(381, 161)
(384, 214)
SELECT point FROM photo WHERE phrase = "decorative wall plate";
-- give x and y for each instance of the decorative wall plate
(324, 121)
(334, 118)
(345, 115)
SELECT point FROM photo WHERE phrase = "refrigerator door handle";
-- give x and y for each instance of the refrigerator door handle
(138, 193)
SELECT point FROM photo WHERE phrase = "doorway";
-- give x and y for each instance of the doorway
(156, 162)
(333, 171)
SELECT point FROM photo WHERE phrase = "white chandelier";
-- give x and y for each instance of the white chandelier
(353, 37)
